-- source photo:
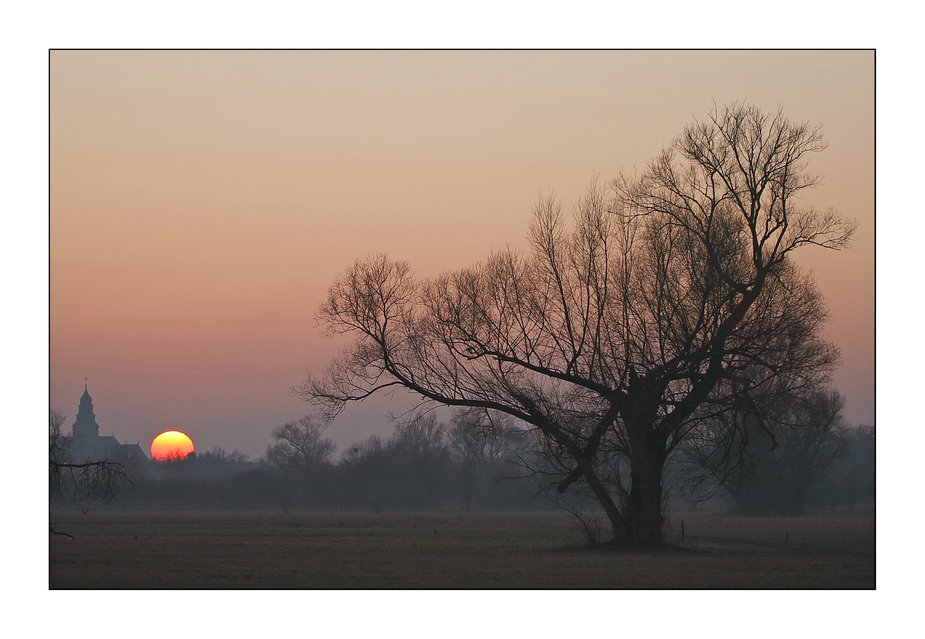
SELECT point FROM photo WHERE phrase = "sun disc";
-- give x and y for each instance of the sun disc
(171, 444)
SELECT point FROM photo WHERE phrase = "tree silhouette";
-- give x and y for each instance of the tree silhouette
(613, 338)
(770, 458)
(77, 480)
(301, 445)
(74, 480)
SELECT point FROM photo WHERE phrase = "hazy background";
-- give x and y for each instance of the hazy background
(202, 202)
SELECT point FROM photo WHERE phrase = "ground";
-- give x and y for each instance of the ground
(195, 549)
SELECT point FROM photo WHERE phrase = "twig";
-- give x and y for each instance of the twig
(63, 534)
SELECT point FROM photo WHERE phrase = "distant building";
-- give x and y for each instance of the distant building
(86, 444)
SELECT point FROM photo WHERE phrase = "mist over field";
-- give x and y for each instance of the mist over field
(435, 506)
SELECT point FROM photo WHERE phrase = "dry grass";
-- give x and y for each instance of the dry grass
(512, 550)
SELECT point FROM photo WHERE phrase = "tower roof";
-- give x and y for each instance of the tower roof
(85, 400)
(86, 421)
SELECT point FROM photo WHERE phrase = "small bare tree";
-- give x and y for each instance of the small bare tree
(301, 445)
(478, 441)
(73, 481)
(302, 459)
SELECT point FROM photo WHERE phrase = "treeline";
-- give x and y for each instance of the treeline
(474, 462)
(798, 458)
(789, 457)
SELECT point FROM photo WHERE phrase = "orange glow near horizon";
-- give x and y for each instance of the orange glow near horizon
(203, 202)
(171, 445)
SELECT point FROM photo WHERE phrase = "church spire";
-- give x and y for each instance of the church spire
(86, 425)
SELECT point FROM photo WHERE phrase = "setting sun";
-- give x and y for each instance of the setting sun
(171, 445)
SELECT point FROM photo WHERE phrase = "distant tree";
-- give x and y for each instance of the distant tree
(771, 458)
(410, 470)
(210, 466)
(358, 453)
(219, 454)
(419, 438)
(301, 445)
(852, 479)
(418, 462)
(612, 337)
(302, 459)
(362, 474)
(479, 442)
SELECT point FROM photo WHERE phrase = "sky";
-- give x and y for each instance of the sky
(34, 376)
(201, 202)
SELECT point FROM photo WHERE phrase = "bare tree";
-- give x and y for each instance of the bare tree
(612, 337)
(73, 481)
(301, 445)
(419, 437)
(852, 480)
(769, 458)
(478, 441)
(219, 454)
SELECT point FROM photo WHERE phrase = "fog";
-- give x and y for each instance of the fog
(459, 466)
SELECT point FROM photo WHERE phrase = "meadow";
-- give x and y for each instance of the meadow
(257, 550)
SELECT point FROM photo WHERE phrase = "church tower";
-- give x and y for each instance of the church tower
(85, 426)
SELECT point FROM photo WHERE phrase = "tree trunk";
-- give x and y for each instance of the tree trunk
(617, 520)
(645, 504)
(644, 517)
(639, 523)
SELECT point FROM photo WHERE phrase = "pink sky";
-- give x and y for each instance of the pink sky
(202, 202)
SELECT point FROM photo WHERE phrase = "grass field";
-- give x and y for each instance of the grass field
(194, 549)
